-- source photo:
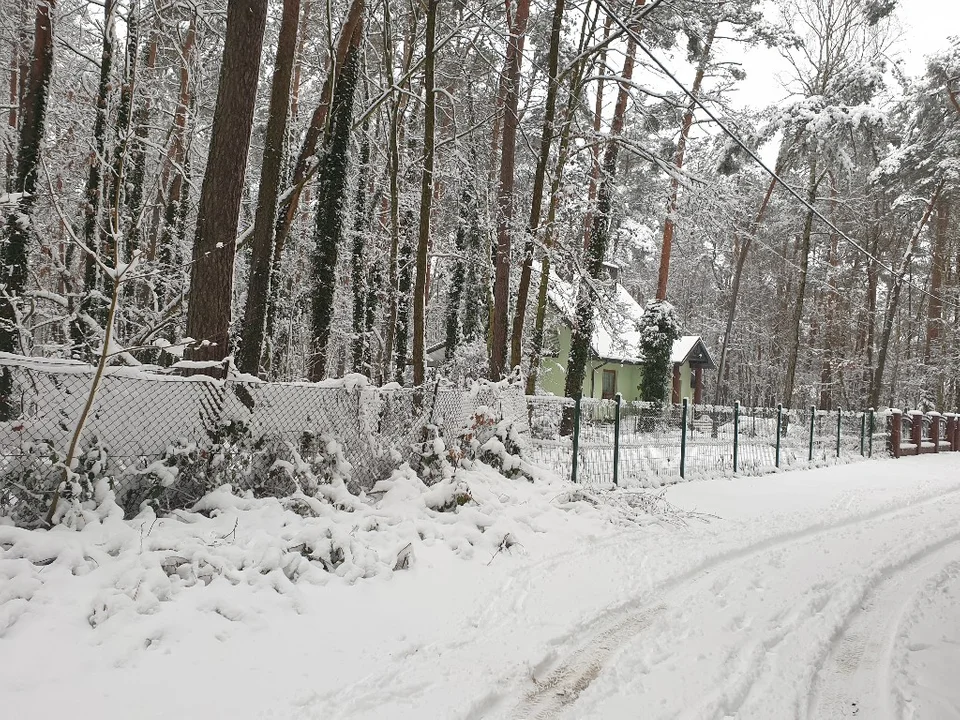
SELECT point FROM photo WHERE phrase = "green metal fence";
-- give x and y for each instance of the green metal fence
(615, 442)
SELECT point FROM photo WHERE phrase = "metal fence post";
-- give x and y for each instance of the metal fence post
(839, 419)
(779, 431)
(736, 436)
(813, 418)
(863, 432)
(576, 438)
(683, 439)
(616, 440)
(871, 428)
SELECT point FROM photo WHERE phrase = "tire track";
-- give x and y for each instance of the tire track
(609, 632)
(855, 677)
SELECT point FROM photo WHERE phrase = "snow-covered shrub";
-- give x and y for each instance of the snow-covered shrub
(325, 459)
(263, 467)
(435, 457)
(493, 442)
(28, 481)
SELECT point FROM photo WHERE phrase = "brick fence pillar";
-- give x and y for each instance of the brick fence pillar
(896, 423)
(935, 430)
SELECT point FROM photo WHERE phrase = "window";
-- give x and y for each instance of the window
(609, 384)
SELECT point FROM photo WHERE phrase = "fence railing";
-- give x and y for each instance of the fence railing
(170, 439)
(611, 441)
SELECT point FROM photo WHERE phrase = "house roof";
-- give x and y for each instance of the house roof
(615, 323)
(615, 328)
(691, 348)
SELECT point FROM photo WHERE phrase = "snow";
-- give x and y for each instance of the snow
(682, 347)
(825, 593)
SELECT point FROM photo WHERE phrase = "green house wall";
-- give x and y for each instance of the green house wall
(553, 373)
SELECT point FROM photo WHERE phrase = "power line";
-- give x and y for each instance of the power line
(756, 158)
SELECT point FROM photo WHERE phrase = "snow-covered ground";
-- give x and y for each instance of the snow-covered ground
(828, 593)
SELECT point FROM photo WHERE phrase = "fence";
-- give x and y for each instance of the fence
(170, 439)
(609, 441)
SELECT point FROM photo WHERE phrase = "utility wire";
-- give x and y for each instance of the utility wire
(756, 158)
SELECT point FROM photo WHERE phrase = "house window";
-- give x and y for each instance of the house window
(609, 384)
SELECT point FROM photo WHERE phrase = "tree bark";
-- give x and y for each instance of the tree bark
(508, 152)
(596, 252)
(533, 227)
(672, 205)
(261, 259)
(214, 246)
(735, 289)
(938, 266)
(17, 234)
(426, 198)
(801, 289)
(893, 302)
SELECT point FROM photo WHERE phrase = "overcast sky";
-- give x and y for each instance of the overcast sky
(926, 23)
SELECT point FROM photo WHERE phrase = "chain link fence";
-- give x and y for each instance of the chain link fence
(169, 440)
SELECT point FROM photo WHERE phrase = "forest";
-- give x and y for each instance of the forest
(306, 190)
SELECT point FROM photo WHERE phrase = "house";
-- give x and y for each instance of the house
(616, 365)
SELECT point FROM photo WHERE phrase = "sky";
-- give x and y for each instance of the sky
(927, 24)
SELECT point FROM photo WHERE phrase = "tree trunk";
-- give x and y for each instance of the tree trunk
(17, 234)
(133, 196)
(892, 303)
(576, 87)
(331, 205)
(426, 198)
(672, 205)
(595, 165)
(935, 306)
(91, 304)
(261, 259)
(533, 227)
(214, 246)
(801, 289)
(397, 109)
(176, 150)
(362, 295)
(405, 264)
(508, 152)
(831, 345)
(318, 123)
(735, 289)
(596, 252)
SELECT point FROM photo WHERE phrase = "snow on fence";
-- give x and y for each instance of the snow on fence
(145, 429)
(170, 439)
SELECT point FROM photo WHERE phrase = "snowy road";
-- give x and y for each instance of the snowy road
(823, 594)
(813, 624)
